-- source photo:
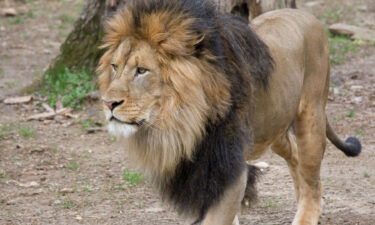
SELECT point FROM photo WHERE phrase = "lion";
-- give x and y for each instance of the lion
(194, 94)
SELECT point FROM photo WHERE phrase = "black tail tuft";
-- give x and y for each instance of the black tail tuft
(250, 191)
(352, 147)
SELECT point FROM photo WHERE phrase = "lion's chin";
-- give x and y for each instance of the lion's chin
(121, 129)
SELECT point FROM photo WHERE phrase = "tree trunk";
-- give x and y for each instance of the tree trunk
(80, 49)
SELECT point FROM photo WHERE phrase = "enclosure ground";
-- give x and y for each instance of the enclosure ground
(54, 172)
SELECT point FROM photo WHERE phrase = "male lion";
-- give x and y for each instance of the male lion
(195, 93)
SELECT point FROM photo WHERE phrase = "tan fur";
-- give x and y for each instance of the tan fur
(289, 115)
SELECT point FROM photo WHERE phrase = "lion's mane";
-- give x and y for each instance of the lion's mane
(209, 63)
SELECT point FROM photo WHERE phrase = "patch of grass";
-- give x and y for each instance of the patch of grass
(112, 139)
(270, 204)
(366, 175)
(132, 178)
(332, 15)
(339, 48)
(11, 84)
(359, 133)
(16, 20)
(87, 187)
(351, 113)
(70, 87)
(27, 131)
(87, 123)
(68, 204)
(2, 73)
(28, 1)
(5, 130)
(73, 165)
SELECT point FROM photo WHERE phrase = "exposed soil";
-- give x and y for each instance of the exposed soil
(54, 172)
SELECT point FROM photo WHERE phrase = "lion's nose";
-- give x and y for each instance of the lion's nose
(113, 104)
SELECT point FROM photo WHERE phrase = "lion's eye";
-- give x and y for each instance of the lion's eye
(141, 71)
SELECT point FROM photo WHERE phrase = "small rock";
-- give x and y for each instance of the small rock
(66, 190)
(37, 150)
(56, 202)
(362, 8)
(154, 210)
(92, 130)
(336, 91)
(9, 12)
(312, 4)
(356, 87)
(357, 100)
(59, 118)
(30, 184)
(262, 165)
(12, 201)
(78, 217)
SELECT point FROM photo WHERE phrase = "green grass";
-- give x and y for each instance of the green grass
(87, 187)
(2, 73)
(87, 123)
(10, 84)
(5, 130)
(359, 133)
(129, 179)
(73, 165)
(132, 178)
(68, 204)
(270, 204)
(340, 47)
(366, 175)
(16, 20)
(331, 15)
(27, 131)
(112, 139)
(70, 87)
(351, 113)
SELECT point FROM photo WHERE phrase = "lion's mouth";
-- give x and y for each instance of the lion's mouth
(134, 123)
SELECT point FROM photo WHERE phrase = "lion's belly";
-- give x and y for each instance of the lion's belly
(276, 108)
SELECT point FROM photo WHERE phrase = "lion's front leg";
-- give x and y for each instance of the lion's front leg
(225, 211)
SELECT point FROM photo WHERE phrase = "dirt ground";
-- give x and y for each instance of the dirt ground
(54, 172)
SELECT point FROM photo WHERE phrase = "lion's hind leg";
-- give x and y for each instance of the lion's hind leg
(303, 149)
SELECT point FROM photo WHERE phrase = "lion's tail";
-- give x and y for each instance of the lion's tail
(250, 192)
(351, 147)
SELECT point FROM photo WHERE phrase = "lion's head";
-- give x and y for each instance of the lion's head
(160, 83)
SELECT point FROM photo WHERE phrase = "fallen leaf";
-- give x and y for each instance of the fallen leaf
(66, 190)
